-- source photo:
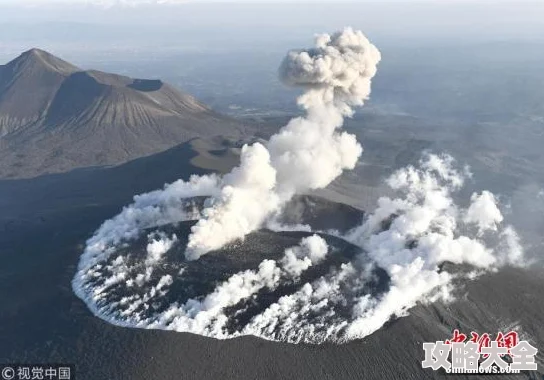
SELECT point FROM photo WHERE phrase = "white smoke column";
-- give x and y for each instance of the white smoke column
(246, 198)
(308, 153)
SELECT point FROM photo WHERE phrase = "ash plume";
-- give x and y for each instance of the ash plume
(308, 153)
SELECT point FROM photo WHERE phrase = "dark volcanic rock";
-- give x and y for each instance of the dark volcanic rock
(321, 214)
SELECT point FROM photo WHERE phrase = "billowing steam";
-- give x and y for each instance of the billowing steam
(313, 291)
(308, 153)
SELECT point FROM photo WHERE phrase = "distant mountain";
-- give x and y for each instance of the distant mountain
(55, 117)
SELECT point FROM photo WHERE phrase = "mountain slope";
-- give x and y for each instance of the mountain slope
(55, 117)
(27, 86)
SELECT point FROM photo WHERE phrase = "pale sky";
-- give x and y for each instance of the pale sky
(279, 23)
(131, 3)
(136, 2)
(98, 2)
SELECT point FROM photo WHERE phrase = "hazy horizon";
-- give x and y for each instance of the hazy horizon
(74, 31)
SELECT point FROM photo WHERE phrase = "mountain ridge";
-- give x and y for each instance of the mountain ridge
(55, 117)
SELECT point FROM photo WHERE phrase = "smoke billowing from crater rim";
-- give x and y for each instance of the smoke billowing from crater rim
(308, 153)
(311, 290)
